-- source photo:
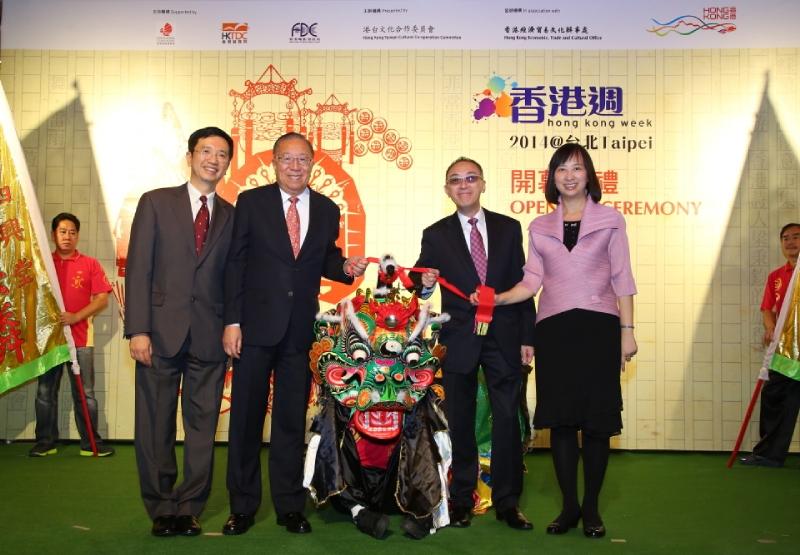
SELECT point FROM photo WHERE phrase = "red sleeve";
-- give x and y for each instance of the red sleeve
(768, 302)
(100, 282)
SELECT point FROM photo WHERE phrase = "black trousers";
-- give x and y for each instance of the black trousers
(504, 383)
(249, 396)
(780, 405)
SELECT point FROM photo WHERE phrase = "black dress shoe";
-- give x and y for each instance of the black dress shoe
(238, 523)
(460, 517)
(758, 460)
(514, 518)
(295, 523)
(187, 525)
(562, 524)
(163, 526)
(593, 527)
(594, 531)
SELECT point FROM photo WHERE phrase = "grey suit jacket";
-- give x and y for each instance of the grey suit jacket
(170, 292)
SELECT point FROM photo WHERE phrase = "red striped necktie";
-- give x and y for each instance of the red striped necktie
(201, 226)
(293, 225)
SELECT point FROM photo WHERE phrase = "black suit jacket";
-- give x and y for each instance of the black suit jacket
(169, 290)
(444, 247)
(272, 295)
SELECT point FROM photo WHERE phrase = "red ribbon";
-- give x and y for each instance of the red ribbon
(485, 310)
(399, 271)
(483, 316)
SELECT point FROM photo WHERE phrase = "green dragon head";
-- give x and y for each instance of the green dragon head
(373, 357)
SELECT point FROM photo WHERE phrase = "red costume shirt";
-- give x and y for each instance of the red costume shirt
(775, 290)
(80, 277)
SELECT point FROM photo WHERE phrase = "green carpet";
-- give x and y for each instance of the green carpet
(663, 502)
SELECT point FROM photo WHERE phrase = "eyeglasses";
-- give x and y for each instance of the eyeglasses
(303, 161)
(456, 180)
(206, 153)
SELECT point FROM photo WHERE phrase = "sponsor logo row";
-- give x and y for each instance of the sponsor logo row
(235, 33)
(718, 19)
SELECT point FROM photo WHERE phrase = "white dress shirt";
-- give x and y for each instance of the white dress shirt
(466, 227)
(194, 198)
(303, 203)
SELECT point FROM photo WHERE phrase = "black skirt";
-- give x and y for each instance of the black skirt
(578, 356)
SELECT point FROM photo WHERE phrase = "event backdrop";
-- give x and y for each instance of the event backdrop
(690, 111)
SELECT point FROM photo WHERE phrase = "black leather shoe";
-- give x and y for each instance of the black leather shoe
(593, 526)
(562, 524)
(460, 517)
(594, 530)
(758, 460)
(514, 518)
(163, 526)
(187, 525)
(295, 523)
(237, 523)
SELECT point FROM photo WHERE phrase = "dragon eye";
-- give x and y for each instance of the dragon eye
(412, 354)
(359, 355)
(356, 348)
(391, 348)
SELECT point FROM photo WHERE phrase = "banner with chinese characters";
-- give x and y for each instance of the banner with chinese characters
(690, 111)
(31, 334)
(240, 25)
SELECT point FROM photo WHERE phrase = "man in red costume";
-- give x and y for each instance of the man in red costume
(780, 398)
(85, 290)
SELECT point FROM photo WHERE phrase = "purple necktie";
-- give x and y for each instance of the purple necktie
(201, 226)
(477, 250)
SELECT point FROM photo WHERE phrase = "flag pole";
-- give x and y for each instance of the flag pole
(41, 238)
(85, 409)
(746, 421)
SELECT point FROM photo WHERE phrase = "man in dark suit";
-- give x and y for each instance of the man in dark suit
(471, 247)
(173, 317)
(284, 242)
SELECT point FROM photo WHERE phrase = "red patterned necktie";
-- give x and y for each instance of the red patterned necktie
(477, 250)
(201, 226)
(293, 224)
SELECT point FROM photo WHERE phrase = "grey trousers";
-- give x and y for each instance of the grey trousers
(47, 400)
(199, 386)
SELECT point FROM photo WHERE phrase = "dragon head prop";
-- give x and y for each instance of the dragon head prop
(374, 357)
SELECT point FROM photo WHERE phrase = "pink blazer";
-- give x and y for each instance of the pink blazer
(592, 276)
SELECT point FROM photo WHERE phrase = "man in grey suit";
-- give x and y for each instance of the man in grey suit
(173, 316)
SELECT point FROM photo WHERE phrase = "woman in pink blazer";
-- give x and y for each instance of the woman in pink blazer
(578, 256)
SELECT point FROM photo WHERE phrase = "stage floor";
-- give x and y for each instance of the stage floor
(653, 502)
